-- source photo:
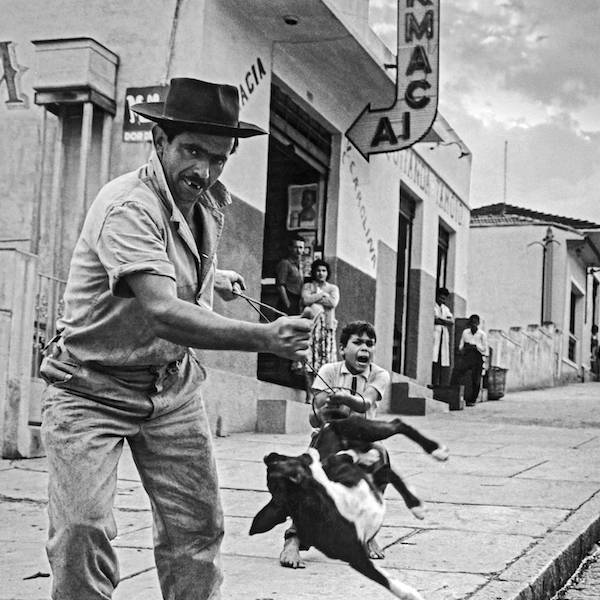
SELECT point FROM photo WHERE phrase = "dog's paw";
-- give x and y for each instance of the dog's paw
(419, 512)
(442, 453)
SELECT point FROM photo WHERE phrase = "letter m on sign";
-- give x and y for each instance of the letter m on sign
(10, 74)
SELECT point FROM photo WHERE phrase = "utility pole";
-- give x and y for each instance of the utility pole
(547, 262)
(505, 166)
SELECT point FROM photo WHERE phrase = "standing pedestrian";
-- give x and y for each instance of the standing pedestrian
(289, 278)
(595, 352)
(474, 349)
(323, 296)
(443, 320)
(138, 298)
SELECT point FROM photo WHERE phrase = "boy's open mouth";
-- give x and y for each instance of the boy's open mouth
(363, 360)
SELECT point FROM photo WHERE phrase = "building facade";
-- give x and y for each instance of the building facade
(530, 270)
(393, 228)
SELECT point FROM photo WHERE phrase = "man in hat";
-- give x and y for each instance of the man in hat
(138, 298)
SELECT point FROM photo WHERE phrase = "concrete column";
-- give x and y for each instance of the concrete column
(18, 278)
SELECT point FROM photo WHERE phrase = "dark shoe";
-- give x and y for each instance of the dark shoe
(470, 403)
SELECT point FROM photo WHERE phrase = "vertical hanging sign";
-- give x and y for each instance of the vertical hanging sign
(412, 114)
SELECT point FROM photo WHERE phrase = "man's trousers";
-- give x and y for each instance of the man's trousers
(86, 418)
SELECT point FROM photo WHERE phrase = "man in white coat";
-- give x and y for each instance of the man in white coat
(443, 320)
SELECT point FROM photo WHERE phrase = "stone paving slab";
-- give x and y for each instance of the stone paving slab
(260, 579)
(242, 475)
(463, 465)
(132, 520)
(469, 489)
(455, 552)
(533, 452)
(23, 521)
(131, 496)
(507, 517)
(26, 559)
(568, 468)
(21, 484)
(533, 522)
(140, 537)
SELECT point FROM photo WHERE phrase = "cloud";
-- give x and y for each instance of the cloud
(526, 72)
(540, 52)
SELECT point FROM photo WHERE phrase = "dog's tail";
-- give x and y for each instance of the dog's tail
(398, 588)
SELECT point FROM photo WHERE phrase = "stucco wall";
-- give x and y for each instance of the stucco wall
(505, 282)
(505, 275)
(531, 355)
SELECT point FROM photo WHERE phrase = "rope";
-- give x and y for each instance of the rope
(254, 304)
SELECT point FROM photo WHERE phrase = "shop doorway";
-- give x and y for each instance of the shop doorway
(298, 167)
(442, 258)
(402, 313)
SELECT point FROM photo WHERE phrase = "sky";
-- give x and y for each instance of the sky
(525, 72)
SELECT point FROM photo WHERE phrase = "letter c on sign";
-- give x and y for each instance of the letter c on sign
(413, 102)
(249, 83)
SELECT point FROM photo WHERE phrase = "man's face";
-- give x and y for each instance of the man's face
(442, 298)
(358, 352)
(296, 249)
(192, 162)
(474, 324)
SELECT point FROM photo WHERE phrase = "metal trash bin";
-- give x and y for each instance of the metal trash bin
(496, 383)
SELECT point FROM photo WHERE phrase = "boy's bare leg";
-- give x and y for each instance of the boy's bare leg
(290, 555)
(374, 549)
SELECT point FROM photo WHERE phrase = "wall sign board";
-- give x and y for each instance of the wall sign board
(412, 114)
(135, 127)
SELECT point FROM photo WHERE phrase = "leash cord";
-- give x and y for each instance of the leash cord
(255, 304)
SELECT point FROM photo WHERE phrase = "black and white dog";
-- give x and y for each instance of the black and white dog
(335, 504)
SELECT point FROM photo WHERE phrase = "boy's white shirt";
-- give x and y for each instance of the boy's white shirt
(337, 374)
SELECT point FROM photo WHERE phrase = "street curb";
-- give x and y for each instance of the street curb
(546, 566)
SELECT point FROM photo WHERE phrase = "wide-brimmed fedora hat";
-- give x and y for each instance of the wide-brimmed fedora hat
(202, 106)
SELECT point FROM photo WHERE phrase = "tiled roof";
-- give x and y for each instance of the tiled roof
(507, 214)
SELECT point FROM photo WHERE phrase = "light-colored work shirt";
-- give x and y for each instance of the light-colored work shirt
(477, 339)
(135, 226)
(337, 374)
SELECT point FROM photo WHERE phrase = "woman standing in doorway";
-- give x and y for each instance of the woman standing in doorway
(323, 296)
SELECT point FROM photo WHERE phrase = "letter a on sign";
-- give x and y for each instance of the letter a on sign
(413, 111)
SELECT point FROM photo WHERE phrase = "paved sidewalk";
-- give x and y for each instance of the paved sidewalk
(509, 516)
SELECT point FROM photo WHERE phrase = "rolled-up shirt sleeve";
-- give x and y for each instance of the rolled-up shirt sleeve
(380, 381)
(131, 241)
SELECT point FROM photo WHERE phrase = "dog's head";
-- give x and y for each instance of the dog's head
(285, 475)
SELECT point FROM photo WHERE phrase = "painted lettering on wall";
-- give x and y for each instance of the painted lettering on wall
(11, 73)
(360, 204)
(251, 80)
(418, 172)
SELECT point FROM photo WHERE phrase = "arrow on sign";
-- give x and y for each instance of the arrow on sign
(411, 115)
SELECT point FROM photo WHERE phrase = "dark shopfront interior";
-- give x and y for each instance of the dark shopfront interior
(299, 152)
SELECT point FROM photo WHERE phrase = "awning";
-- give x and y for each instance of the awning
(322, 47)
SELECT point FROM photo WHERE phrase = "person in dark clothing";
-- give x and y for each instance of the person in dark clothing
(474, 348)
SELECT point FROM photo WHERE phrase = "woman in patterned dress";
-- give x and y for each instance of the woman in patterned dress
(323, 296)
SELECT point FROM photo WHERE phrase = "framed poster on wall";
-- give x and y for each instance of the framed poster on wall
(303, 207)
